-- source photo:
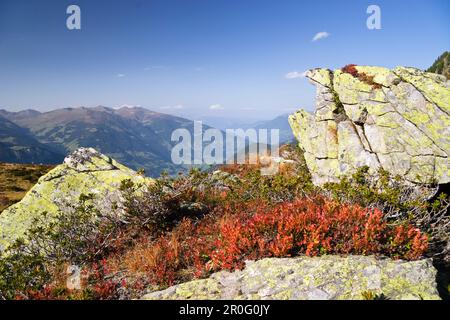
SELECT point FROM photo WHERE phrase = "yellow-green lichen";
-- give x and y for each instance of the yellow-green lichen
(61, 187)
(326, 277)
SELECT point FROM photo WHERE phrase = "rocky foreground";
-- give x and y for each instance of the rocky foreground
(397, 120)
(319, 278)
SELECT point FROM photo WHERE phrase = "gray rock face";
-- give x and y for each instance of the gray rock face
(319, 278)
(400, 122)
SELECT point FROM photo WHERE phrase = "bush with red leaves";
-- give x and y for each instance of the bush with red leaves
(239, 231)
(351, 69)
(253, 231)
(312, 227)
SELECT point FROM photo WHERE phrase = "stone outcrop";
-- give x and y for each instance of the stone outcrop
(400, 121)
(318, 278)
(85, 171)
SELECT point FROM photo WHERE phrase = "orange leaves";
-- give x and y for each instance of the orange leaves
(239, 231)
(407, 242)
(313, 227)
(162, 258)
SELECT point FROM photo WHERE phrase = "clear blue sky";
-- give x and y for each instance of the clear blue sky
(185, 56)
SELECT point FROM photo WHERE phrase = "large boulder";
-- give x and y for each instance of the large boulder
(85, 171)
(398, 120)
(318, 278)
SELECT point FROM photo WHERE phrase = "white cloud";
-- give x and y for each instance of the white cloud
(129, 106)
(321, 35)
(120, 75)
(295, 75)
(175, 107)
(216, 107)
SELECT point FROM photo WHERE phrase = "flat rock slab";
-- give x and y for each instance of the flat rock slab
(314, 278)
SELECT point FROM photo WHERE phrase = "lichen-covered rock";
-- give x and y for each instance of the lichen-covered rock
(400, 124)
(318, 278)
(85, 171)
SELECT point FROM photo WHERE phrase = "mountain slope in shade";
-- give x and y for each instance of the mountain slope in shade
(281, 123)
(136, 137)
(441, 65)
(17, 145)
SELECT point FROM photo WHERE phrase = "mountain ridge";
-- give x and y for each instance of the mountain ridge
(136, 136)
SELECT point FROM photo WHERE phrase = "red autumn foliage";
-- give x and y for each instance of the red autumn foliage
(253, 231)
(313, 228)
(239, 231)
(351, 69)
(102, 288)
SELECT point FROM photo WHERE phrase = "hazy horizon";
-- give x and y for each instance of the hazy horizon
(232, 120)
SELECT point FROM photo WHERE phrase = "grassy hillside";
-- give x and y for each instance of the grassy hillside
(16, 180)
(18, 145)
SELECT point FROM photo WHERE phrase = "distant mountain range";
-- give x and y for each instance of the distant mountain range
(280, 122)
(137, 137)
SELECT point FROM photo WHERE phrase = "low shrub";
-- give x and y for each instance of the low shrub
(400, 203)
(21, 272)
(250, 231)
(163, 260)
(312, 227)
(292, 181)
(78, 235)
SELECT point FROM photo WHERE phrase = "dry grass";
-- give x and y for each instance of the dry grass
(16, 180)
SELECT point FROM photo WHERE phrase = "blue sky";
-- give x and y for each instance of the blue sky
(202, 57)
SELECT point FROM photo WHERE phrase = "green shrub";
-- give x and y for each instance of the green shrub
(292, 181)
(21, 272)
(77, 235)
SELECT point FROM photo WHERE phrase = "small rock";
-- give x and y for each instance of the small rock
(73, 281)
